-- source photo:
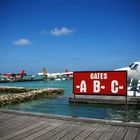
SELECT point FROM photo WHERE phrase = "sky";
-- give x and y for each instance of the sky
(80, 35)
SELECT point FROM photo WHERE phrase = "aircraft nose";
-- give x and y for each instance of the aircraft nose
(122, 69)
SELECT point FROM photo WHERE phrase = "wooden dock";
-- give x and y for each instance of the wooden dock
(29, 126)
(102, 99)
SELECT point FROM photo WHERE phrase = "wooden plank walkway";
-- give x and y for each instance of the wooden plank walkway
(28, 126)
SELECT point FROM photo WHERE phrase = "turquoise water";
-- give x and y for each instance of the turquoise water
(61, 105)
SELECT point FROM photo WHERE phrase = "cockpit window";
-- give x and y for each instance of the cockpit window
(130, 66)
(134, 67)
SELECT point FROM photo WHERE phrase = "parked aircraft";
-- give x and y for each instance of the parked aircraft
(133, 70)
(133, 74)
(15, 76)
(57, 76)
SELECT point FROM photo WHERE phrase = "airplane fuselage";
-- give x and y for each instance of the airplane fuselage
(133, 71)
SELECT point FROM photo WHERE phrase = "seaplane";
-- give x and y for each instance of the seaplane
(56, 76)
(12, 76)
(133, 77)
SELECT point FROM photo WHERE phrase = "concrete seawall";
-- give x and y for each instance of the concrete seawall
(28, 94)
(15, 89)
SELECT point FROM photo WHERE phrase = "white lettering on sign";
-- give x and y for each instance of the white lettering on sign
(98, 76)
(96, 85)
(83, 87)
(114, 86)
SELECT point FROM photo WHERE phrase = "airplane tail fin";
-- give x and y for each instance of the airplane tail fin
(23, 73)
(44, 71)
(66, 71)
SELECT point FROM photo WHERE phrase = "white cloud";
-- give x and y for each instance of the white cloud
(61, 31)
(58, 31)
(22, 42)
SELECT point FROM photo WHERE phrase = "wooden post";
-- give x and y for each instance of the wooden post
(74, 100)
(126, 107)
(74, 109)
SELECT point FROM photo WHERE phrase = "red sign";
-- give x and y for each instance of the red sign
(100, 83)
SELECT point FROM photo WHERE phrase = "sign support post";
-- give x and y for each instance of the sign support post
(126, 107)
(74, 114)
(74, 100)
